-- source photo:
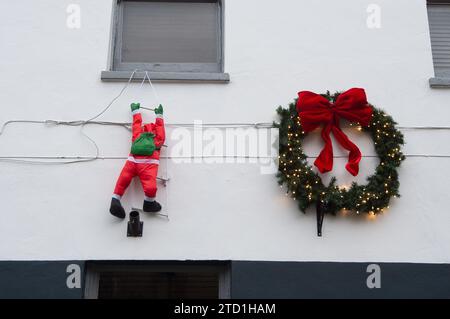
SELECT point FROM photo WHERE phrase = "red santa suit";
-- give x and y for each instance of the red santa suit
(144, 166)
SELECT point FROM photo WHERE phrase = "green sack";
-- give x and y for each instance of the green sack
(144, 144)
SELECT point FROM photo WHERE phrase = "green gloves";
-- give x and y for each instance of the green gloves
(159, 110)
(135, 106)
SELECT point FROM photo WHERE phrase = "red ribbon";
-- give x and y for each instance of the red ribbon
(315, 110)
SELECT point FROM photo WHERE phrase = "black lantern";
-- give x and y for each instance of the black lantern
(135, 226)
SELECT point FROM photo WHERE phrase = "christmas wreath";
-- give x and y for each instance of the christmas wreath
(312, 110)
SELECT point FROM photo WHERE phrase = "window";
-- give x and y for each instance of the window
(157, 280)
(439, 20)
(173, 39)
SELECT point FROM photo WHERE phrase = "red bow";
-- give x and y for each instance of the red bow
(315, 110)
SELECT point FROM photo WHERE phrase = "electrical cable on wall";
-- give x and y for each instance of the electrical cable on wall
(63, 160)
(127, 125)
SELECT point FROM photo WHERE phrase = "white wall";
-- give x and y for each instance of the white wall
(217, 211)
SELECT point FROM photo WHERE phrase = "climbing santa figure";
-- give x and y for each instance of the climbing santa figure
(143, 161)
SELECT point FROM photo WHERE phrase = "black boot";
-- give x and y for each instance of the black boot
(116, 208)
(151, 207)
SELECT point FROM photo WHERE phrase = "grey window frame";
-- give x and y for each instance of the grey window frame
(440, 80)
(94, 268)
(121, 71)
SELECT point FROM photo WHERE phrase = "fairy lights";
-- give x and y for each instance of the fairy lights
(306, 185)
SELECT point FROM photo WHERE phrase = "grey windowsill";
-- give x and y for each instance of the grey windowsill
(440, 82)
(123, 76)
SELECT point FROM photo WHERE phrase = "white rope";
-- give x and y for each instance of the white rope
(155, 93)
(115, 98)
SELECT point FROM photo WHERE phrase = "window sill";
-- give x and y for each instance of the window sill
(440, 82)
(124, 76)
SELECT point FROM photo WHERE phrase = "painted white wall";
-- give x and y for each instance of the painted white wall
(217, 211)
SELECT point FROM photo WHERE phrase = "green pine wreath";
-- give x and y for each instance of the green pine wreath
(306, 186)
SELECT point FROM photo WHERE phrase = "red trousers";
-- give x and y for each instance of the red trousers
(147, 174)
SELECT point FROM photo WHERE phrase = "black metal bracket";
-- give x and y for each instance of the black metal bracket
(320, 213)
